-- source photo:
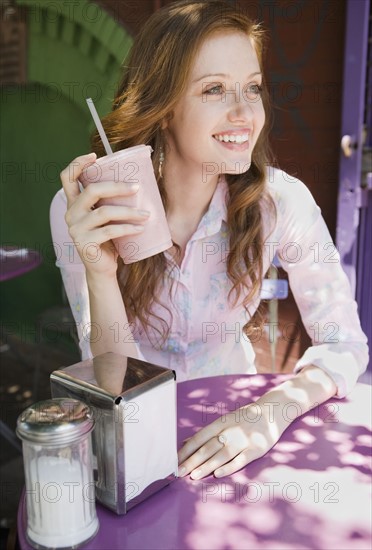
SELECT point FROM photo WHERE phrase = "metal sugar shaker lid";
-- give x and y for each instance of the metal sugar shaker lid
(55, 421)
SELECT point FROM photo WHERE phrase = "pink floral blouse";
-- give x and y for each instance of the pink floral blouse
(206, 336)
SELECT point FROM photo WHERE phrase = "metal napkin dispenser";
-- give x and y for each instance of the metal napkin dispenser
(135, 435)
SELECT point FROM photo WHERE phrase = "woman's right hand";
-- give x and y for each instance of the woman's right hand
(89, 227)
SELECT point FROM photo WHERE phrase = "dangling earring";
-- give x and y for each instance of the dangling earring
(161, 160)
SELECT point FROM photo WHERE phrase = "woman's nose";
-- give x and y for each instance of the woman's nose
(240, 106)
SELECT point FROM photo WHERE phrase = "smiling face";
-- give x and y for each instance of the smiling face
(216, 123)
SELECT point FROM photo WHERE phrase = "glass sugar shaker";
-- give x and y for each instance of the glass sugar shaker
(60, 490)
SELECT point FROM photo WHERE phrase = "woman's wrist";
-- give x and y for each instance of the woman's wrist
(99, 281)
(294, 397)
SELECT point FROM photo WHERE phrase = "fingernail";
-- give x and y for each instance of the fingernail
(134, 186)
(196, 474)
(138, 228)
(219, 473)
(181, 471)
(144, 212)
(89, 155)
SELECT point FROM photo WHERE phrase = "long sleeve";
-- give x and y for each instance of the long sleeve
(73, 275)
(319, 285)
(72, 272)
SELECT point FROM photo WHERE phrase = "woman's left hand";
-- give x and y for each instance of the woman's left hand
(229, 443)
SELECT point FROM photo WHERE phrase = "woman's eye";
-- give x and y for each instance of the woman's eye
(214, 91)
(253, 91)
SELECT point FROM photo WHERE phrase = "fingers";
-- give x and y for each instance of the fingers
(206, 459)
(199, 439)
(225, 446)
(95, 226)
(70, 174)
(203, 454)
(104, 234)
(221, 462)
(92, 193)
(105, 189)
(81, 217)
(244, 458)
(224, 453)
(106, 214)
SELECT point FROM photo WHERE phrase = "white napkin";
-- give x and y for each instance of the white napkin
(150, 438)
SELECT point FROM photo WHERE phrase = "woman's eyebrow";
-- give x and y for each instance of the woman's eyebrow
(223, 75)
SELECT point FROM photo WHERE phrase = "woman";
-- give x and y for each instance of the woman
(193, 90)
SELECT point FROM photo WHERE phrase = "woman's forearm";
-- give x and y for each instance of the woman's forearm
(110, 330)
(292, 398)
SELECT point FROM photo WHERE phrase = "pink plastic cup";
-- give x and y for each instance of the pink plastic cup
(133, 165)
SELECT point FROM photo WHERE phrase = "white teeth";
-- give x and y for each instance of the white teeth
(234, 139)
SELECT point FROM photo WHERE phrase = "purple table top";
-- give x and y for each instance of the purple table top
(311, 491)
(17, 261)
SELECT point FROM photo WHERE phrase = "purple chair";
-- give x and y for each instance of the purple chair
(274, 289)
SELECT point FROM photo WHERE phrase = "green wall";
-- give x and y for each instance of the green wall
(44, 125)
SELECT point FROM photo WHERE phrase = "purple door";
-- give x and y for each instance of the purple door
(354, 220)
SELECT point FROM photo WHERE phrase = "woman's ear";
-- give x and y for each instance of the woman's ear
(165, 121)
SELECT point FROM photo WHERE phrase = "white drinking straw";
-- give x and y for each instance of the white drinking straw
(99, 126)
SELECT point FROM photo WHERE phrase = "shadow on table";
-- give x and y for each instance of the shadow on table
(314, 441)
(277, 500)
